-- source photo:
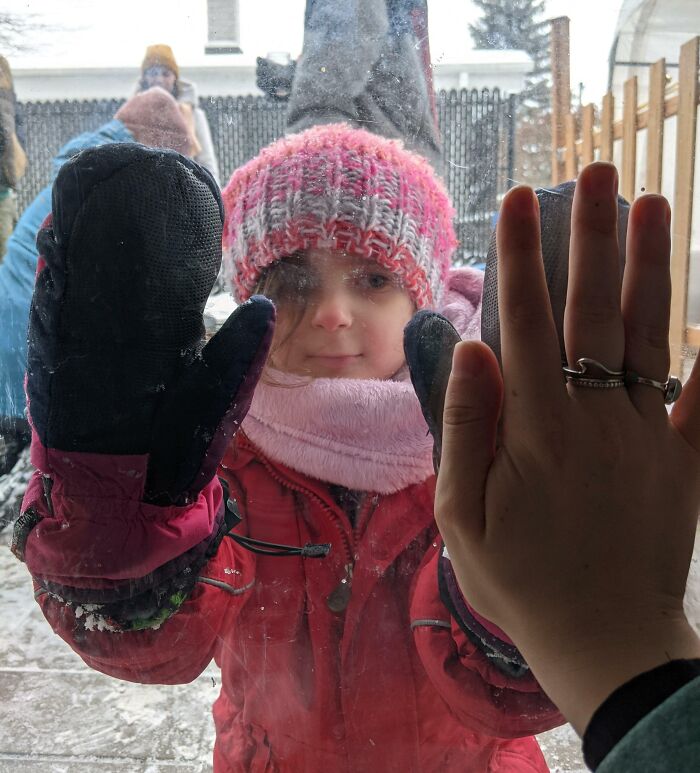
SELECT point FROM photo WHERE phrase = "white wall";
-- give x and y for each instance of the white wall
(503, 69)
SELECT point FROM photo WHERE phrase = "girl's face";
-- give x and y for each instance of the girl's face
(339, 316)
(160, 76)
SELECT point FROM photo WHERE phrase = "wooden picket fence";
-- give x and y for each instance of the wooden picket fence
(588, 134)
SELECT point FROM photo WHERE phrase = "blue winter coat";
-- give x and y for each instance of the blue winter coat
(19, 267)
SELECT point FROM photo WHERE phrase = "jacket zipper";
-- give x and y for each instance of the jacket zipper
(339, 598)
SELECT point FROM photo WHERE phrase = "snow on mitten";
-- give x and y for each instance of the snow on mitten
(131, 412)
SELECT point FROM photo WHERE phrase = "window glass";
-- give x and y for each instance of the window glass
(311, 604)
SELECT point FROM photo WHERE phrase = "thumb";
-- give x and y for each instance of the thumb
(470, 425)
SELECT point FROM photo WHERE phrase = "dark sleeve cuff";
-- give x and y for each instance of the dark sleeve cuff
(630, 703)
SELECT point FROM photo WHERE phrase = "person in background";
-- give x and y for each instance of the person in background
(13, 161)
(366, 63)
(568, 502)
(151, 118)
(159, 68)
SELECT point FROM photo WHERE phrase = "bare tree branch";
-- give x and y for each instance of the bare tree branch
(17, 32)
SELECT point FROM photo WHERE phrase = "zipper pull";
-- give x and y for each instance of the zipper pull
(47, 484)
(339, 598)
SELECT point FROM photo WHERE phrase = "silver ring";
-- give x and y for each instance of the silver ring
(671, 388)
(595, 375)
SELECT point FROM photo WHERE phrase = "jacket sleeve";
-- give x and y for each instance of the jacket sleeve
(207, 156)
(342, 42)
(648, 723)
(503, 703)
(667, 738)
(138, 591)
(17, 271)
(175, 652)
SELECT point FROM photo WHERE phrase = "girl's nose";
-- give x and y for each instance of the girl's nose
(332, 310)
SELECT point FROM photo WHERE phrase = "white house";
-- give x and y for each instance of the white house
(96, 54)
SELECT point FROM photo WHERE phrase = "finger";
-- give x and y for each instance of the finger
(529, 345)
(646, 298)
(593, 319)
(685, 415)
(470, 421)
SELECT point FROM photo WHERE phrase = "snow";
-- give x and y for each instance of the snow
(59, 716)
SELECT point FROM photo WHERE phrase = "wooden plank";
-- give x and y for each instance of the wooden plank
(561, 91)
(587, 121)
(670, 109)
(606, 128)
(671, 106)
(692, 337)
(655, 127)
(628, 174)
(683, 196)
(570, 160)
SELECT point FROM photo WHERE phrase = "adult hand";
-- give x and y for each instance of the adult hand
(569, 513)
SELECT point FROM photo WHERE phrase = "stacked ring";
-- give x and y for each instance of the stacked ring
(594, 375)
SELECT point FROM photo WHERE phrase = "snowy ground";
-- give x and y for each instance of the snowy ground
(58, 716)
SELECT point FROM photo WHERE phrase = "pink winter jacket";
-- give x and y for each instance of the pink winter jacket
(349, 663)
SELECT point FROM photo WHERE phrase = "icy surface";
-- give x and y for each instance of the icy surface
(58, 716)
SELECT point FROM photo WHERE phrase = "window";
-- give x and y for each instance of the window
(222, 27)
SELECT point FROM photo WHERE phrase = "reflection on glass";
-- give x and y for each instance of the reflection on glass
(364, 178)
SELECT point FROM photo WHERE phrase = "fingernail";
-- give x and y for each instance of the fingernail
(522, 200)
(600, 179)
(467, 360)
(652, 208)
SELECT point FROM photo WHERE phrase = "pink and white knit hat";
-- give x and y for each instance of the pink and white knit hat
(344, 187)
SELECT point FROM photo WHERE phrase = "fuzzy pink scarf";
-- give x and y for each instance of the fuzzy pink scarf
(364, 434)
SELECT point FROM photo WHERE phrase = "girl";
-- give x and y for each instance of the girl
(349, 662)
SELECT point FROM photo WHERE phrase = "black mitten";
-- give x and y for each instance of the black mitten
(429, 340)
(274, 79)
(555, 231)
(116, 358)
(131, 411)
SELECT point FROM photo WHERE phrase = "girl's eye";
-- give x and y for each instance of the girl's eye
(375, 281)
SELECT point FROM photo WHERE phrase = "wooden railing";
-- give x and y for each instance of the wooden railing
(590, 134)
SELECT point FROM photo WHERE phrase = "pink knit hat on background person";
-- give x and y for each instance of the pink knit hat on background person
(337, 186)
(153, 117)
